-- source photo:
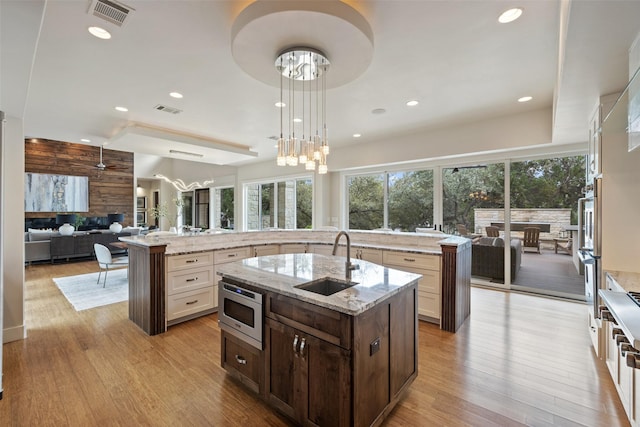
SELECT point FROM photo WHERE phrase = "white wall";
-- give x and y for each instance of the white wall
(13, 231)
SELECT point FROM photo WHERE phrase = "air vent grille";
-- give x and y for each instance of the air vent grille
(167, 109)
(111, 11)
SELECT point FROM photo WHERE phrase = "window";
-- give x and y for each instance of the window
(202, 208)
(283, 204)
(400, 201)
(223, 207)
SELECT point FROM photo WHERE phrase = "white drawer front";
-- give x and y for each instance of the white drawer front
(265, 250)
(422, 261)
(327, 250)
(430, 281)
(229, 255)
(192, 302)
(371, 255)
(293, 248)
(195, 260)
(187, 280)
(429, 304)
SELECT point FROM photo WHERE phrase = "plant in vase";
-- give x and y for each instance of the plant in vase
(162, 211)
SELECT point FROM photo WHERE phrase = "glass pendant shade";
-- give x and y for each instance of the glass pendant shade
(303, 68)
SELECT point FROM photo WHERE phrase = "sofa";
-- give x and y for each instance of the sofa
(49, 245)
(487, 258)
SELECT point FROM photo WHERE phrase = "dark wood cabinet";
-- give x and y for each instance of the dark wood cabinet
(308, 379)
(243, 361)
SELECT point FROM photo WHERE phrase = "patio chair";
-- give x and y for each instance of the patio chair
(462, 229)
(531, 239)
(492, 231)
(566, 247)
(106, 262)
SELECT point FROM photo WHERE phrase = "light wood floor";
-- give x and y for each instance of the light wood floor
(519, 360)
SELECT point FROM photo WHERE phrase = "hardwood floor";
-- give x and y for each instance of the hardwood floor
(518, 360)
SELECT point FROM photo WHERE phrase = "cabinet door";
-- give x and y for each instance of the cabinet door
(293, 248)
(280, 360)
(265, 250)
(298, 381)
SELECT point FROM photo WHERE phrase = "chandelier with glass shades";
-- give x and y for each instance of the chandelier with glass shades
(307, 142)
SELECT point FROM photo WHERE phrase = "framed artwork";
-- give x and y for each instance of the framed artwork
(141, 217)
(55, 193)
(142, 202)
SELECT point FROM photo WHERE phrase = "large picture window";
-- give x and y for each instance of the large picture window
(223, 208)
(401, 201)
(286, 204)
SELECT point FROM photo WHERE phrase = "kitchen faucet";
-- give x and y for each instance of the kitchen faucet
(349, 266)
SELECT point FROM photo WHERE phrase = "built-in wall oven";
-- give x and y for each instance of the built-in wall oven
(589, 245)
(240, 312)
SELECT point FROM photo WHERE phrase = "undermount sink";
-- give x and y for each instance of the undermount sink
(326, 286)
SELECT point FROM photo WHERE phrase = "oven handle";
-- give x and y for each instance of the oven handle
(581, 222)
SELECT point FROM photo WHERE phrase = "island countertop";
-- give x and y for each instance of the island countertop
(282, 273)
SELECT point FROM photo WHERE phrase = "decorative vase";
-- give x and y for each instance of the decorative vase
(66, 229)
(116, 227)
(173, 230)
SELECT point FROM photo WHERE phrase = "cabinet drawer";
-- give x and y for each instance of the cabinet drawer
(293, 248)
(327, 250)
(430, 281)
(228, 255)
(191, 302)
(326, 324)
(265, 250)
(429, 304)
(371, 255)
(182, 262)
(428, 262)
(242, 358)
(187, 280)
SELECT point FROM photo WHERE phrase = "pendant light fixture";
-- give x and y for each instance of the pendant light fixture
(302, 66)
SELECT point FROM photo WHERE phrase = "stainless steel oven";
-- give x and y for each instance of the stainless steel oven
(240, 312)
(589, 245)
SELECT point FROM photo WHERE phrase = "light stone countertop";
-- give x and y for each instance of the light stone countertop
(426, 243)
(628, 281)
(282, 273)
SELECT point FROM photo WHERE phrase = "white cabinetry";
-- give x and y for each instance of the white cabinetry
(228, 255)
(366, 254)
(428, 287)
(326, 250)
(263, 250)
(293, 248)
(190, 286)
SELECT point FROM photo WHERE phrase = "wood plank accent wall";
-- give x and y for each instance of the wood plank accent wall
(110, 191)
(456, 286)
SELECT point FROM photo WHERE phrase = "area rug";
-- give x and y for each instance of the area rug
(84, 293)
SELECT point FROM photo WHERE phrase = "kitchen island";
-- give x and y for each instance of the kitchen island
(336, 360)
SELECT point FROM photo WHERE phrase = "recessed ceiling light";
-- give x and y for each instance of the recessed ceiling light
(280, 104)
(525, 99)
(123, 109)
(378, 111)
(297, 120)
(100, 33)
(175, 95)
(412, 103)
(357, 135)
(85, 140)
(510, 15)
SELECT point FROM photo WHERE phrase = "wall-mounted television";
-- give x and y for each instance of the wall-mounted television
(55, 193)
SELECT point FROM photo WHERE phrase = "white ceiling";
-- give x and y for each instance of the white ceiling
(452, 56)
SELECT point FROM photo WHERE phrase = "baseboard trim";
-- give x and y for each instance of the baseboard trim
(15, 333)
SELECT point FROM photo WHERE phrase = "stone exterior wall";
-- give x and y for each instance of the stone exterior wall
(558, 218)
(286, 207)
(253, 207)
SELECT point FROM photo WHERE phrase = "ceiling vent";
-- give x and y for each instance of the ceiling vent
(167, 109)
(111, 11)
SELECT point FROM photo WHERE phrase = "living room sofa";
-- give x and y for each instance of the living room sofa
(49, 245)
(487, 257)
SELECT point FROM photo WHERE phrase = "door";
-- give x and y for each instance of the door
(280, 384)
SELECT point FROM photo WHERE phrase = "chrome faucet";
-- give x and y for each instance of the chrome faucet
(349, 266)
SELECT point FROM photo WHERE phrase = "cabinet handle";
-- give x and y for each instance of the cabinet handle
(241, 360)
(231, 255)
(192, 302)
(191, 261)
(302, 344)
(191, 280)
(295, 344)
(409, 259)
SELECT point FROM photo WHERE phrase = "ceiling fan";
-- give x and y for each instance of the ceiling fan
(102, 167)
